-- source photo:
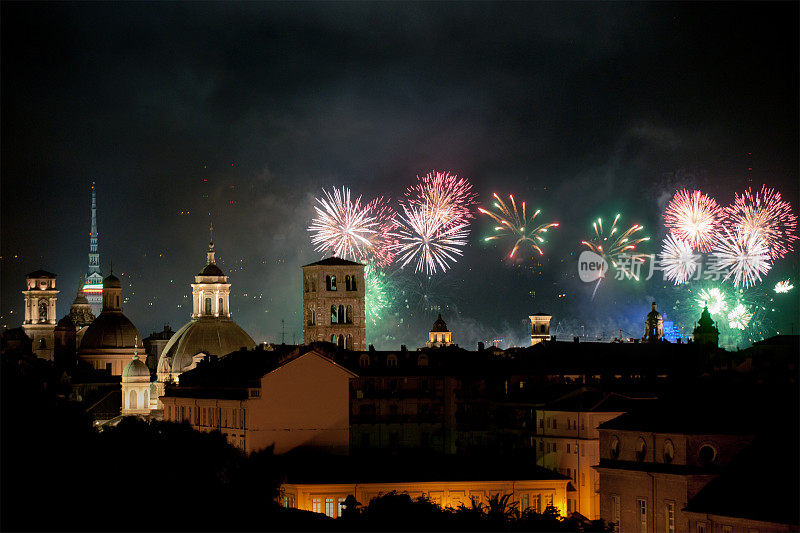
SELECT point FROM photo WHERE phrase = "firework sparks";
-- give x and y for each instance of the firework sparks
(342, 226)
(519, 226)
(783, 287)
(744, 254)
(377, 290)
(426, 239)
(678, 260)
(768, 214)
(385, 238)
(618, 248)
(444, 194)
(739, 317)
(714, 299)
(694, 218)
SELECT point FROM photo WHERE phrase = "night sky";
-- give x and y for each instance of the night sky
(247, 110)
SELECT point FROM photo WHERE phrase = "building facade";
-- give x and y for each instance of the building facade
(40, 311)
(439, 335)
(333, 303)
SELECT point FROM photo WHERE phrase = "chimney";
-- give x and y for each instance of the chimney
(403, 348)
(480, 346)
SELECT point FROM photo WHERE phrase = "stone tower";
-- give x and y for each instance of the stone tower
(93, 288)
(40, 311)
(333, 303)
(706, 333)
(654, 326)
(540, 328)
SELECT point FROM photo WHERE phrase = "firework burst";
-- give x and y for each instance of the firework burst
(377, 293)
(444, 194)
(678, 260)
(383, 242)
(427, 240)
(342, 226)
(782, 287)
(744, 254)
(739, 317)
(618, 248)
(768, 214)
(694, 218)
(517, 225)
(712, 298)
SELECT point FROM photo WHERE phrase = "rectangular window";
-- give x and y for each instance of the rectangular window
(641, 505)
(555, 423)
(536, 503)
(541, 423)
(330, 509)
(670, 517)
(575, 450)
(616, 510)
(523, 503)
(727, 529)
(316, 505)
(568, 447)
(701, 527)
(341, 506)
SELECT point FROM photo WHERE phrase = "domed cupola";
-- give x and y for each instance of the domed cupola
(210, 330)
(439, 335)
(136, 389)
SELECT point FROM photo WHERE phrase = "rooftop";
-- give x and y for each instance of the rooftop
(41, 274)
(334, 261)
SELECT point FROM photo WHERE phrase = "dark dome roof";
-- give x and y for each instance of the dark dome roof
(211, 270)
(210, 335)
(439, 325)
(41, 274)
(136, 371)
(112, 282)
(111, 329)
(66, 322)
(80, 299)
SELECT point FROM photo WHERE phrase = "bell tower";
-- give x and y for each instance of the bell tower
(540, 328)
(40, 311)
(333, 303)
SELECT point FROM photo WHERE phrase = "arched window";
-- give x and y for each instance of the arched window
(313, 284)
(347, 283)
(327, 282)
(333, 283)
(669, 451)
(312, 316)
(349, 314)
(341, 341)
(341, 315)
(391, 361)
(42, 343)
(132, 400)
(349, 342)
(641, 449)
(43, 311)
(363, 361)
(353, 284)
(305, 284)
(208, 306)
(334, 316)
(333, 339)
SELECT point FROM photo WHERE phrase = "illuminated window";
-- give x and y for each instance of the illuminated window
(670, 517)
(641, 506)
(208, 306)
(641, 449)
(330, 509)
(333, 283)
(334, 316)
(615, 510)
(220, 305)
(340, 507)
(316, 505)
(523, 503)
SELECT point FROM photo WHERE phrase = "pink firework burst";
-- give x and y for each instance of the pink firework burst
(694, 218)
(342, 226)
(383, 242)
(443, 195)
(766, 213)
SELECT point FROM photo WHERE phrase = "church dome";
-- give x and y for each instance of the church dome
(136, 371)
(439, 325)
(111, 330)
(211, 270)
(112, 282)
(209, 335)
(66, 323)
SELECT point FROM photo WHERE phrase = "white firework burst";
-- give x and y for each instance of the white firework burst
(677, 259)
(783, 287)
(342, 226)
(739, 317)
(744, 255)
(427, 239)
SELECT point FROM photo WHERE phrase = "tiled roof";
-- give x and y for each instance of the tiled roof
(334, 261)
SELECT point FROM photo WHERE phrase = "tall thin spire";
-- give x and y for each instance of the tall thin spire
(94, 256)
(210, 253)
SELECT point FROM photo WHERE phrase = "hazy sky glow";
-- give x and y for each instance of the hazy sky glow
(248, 110)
